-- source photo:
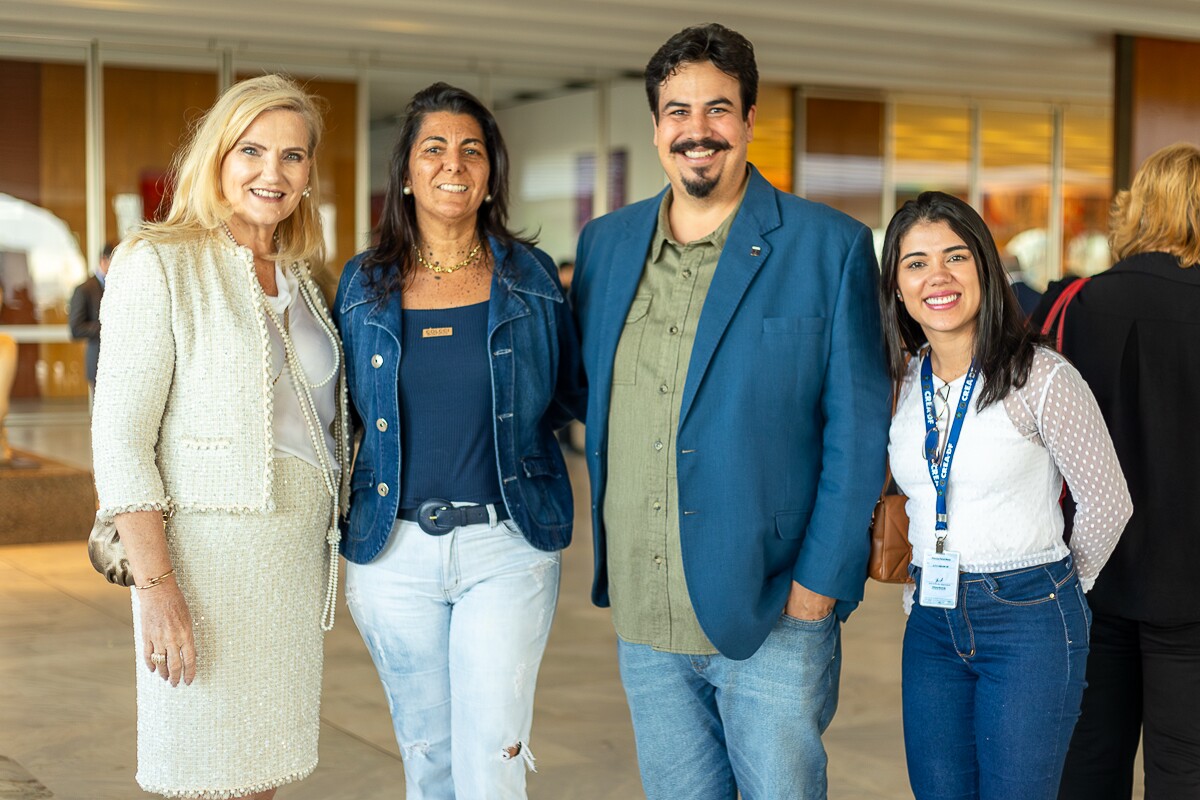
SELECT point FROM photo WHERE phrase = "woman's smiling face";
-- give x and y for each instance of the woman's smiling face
(448, 167)
(938, 279)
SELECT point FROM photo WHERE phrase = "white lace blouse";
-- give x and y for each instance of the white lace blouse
(1006, 479)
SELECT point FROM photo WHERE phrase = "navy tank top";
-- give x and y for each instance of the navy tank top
(447, 442)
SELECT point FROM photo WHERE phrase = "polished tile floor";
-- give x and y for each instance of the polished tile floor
(67, 700)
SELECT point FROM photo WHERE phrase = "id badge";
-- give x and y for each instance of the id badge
(939, 580)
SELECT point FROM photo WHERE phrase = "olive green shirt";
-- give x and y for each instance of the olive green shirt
(646, 584)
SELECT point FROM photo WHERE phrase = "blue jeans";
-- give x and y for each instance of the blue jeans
(708, 727)
(992, 688)
(456, 626)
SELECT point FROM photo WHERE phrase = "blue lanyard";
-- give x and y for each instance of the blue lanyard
(939, 469)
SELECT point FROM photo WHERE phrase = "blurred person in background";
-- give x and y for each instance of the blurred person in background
(1132, 332)
(84, 315)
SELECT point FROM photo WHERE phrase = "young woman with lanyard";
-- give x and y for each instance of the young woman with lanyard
(987, 425)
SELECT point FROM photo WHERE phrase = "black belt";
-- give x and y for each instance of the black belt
(438, 517)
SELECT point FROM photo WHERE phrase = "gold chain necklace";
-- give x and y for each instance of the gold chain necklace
(471, 258)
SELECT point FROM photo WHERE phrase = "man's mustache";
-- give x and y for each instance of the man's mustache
(699, 144)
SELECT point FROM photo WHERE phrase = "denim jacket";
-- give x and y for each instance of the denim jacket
(537, 386)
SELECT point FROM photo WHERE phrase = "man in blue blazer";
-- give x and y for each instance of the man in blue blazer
(737, 422)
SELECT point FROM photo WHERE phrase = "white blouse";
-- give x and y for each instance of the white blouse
(319, 359)
(1007, 475)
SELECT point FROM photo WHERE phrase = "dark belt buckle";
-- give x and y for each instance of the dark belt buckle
(430, 513)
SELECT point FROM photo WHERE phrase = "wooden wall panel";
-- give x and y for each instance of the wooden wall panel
(20, 143)
(63, 164)
(1157, 100)
(336, 162)
(147, 114)
(63, 171)
(844, 127)
(844, 156)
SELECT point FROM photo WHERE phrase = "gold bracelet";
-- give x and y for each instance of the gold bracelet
(150, 584)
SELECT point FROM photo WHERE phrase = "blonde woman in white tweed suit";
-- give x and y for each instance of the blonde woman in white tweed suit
(220, 405)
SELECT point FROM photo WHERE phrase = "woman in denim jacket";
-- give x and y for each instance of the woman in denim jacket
(463, 360)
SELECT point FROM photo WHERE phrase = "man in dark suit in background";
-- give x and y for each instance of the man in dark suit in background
(84, 315)
(1027, 296)
(737, 421)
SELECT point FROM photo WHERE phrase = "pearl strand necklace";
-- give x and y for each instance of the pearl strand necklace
(333, 343)
(312, 421)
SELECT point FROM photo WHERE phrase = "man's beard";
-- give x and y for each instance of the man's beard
(701, 186)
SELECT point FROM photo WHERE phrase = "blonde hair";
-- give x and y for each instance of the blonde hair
(198, 205)
(1161, 211)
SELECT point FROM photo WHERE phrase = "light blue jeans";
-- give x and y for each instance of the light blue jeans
(457, 625)
(708, 727)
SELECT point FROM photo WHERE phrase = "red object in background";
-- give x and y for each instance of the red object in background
(156, 188)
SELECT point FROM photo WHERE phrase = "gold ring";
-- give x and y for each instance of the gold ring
(158, 658)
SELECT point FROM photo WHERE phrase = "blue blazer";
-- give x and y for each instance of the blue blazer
(536, 387)
(784, 418)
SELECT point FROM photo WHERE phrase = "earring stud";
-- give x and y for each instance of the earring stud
(407, 190)
(307, 192)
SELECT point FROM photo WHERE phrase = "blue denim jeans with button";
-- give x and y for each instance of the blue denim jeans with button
(709, 727)
(992, 688)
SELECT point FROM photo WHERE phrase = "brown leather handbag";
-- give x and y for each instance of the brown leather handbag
(890, 549)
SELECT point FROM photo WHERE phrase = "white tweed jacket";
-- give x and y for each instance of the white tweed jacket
(182, 414)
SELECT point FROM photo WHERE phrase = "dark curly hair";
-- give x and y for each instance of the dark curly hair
(728, 51)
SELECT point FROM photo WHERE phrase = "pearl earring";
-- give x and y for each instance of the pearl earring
(487, 198)
(899, 297)
(407, 190)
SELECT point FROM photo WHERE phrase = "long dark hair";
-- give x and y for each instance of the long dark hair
(389, 265)
(1004, 341)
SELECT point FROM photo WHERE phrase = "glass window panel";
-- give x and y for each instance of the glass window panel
(43, 221)
(1015, 186)
(552, 148)
(1087, 189)
(771, 150)
(843, 159)
(932, 146)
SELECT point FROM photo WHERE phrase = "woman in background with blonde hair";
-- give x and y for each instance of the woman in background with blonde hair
(219, 434)
(1132, 332)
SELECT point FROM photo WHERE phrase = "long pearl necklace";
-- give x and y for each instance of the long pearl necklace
(312, 421)
(436, 266)
(285, 332)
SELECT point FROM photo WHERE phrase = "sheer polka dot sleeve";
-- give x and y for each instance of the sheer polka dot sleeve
(1072, 429)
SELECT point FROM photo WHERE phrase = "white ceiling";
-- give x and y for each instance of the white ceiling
(1057, 50)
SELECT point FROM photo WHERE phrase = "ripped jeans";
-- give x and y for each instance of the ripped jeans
(457, 625)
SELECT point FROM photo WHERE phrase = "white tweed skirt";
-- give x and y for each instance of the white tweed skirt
(254, 584)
